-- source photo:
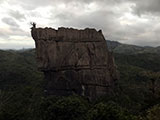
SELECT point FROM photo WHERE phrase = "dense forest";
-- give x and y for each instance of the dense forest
(135, 97)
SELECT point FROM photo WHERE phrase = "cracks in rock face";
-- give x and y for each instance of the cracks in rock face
(74, 61)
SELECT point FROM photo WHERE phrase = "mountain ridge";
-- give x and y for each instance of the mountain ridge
(118, 47)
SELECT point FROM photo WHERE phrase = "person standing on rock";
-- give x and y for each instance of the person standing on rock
(33, 24)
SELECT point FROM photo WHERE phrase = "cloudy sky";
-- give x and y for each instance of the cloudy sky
(127, 21)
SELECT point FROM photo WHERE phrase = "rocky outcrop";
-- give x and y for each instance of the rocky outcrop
(74, 61)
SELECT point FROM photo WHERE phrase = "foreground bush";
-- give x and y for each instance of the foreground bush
(66, 108)
(108, 111)
(154, 113)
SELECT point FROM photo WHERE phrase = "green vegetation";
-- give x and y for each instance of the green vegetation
(136, 97)
(154, 113)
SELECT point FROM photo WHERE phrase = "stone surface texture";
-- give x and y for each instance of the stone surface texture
(74, 61)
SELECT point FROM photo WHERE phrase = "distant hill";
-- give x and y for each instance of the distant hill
(18, 69)
(118, 47)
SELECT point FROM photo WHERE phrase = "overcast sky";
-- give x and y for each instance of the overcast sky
(127, 21)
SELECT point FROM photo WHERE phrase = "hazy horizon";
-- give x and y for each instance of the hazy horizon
(127, 21)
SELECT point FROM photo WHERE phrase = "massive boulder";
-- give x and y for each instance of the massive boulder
(74, 61)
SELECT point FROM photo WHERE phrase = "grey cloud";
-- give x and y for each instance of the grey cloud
(102, 19)
(15, 46)
(17, 15)
(94, 19)
(146, 42)
(146, 6)
(13, 30)
(3, 34)
(8, 43)
(32, 4)
(10, 21)
(1, 1)
(108, 20)
(17, 31)
(140, 34)
(141, 6)
(105, 16)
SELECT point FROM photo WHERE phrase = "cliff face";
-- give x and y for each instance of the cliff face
(74, 61)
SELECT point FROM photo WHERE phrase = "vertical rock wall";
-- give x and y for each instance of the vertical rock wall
(74, 61)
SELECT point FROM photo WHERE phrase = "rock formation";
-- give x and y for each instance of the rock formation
(74, 61)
